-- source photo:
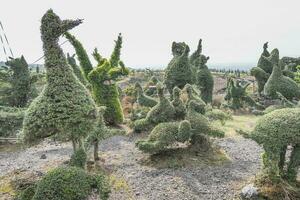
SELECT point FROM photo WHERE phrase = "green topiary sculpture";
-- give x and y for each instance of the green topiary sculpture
(76, 69)
(192, 95)
(180, 109)
(204, 79)
(70, 184)
(201, 127)
(192, 60)
(278, 82)
(163, 111)
(178, 72)
(65, 107)
(275, 131)
(263, 63)
(261, 77)
(236, 95)
(164, 135)
(103, 78)
(21, 84)
(143, 99)
(150, 88)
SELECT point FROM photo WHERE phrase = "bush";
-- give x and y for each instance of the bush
(143, 99)
(65, 107)
(193, 96)
(278, 82)
(216, 114)
(78, 159)
(178, 104)
(70, 184)
(163, 111)
(178, 72)
(11, 120)
(275, 131)
(164, 135)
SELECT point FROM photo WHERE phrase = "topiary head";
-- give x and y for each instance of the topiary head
(53, 27)
(16, 63)
(179, 48)
(184, 131)
(176, 92)
(265, 46)
(274, 57)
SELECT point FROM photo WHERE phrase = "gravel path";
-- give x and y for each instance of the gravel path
(203, 182)
(141, 182)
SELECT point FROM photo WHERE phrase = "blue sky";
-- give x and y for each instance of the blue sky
(233, 31)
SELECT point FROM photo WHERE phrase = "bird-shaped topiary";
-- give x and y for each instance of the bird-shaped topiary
(278, 82)
(204, 79)
(262, 62)
(103, 78)
(143, 99)
(180, 109)
(164, 135)
(275, 131)
(163, 111)
(178, 73)
(65, 107)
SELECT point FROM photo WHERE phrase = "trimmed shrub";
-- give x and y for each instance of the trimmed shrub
(275, 131)
(216, 114)
(65, 107)
(178, 104)
(193, 96)
(263, 63)
(11, 120)
(70, 183)
(150, 89)
(178, 73)
(79, 158)
(278, 82)
(164, 135)
(261, 77)
(143, 99)
(163, 111)
(76, 69)
(192, 60)
(204, 80)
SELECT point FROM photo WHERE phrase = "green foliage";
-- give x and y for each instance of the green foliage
(236, 95)
(143, 99)
(193, 95)
(76, 69)
(204, 79)
(263, 63)
(20, 84)
(193, 59)
(164, 135)
(150, 89)
(216, 114)
(261, 77)
(70, 184)
(65, 107)
(28, 193)
(163, 111)
(79, 158)
(275, 131)
(83, 57)
(178, 73)
(278, 82)
(297, 74)
(178, 104)
(11, 120)
(116, 54)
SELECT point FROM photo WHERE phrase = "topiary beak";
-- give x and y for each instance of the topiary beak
(69, 24)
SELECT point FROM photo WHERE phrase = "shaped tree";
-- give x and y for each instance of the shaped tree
(65, 107)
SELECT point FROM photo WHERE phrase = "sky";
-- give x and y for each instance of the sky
(233, 31)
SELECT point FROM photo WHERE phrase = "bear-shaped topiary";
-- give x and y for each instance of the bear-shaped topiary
(204, 79)
(165, 134)
(143, 99)
(163, 111)
(275, 131)
(278, 82)
(65, 107)
(180, 109)
(178, 73)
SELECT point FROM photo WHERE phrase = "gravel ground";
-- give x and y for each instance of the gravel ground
(135, 181)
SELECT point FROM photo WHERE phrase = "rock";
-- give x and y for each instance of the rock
(43, 156)
(249, 192)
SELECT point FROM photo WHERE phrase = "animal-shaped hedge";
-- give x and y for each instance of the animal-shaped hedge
(76, 69)
(278, 82)
(178, 73)
(65, 107)
(143, 99)
(103, 78)
(163, 111)
(193, 95)
(179, 106)
(275, 131)
(204, 79)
